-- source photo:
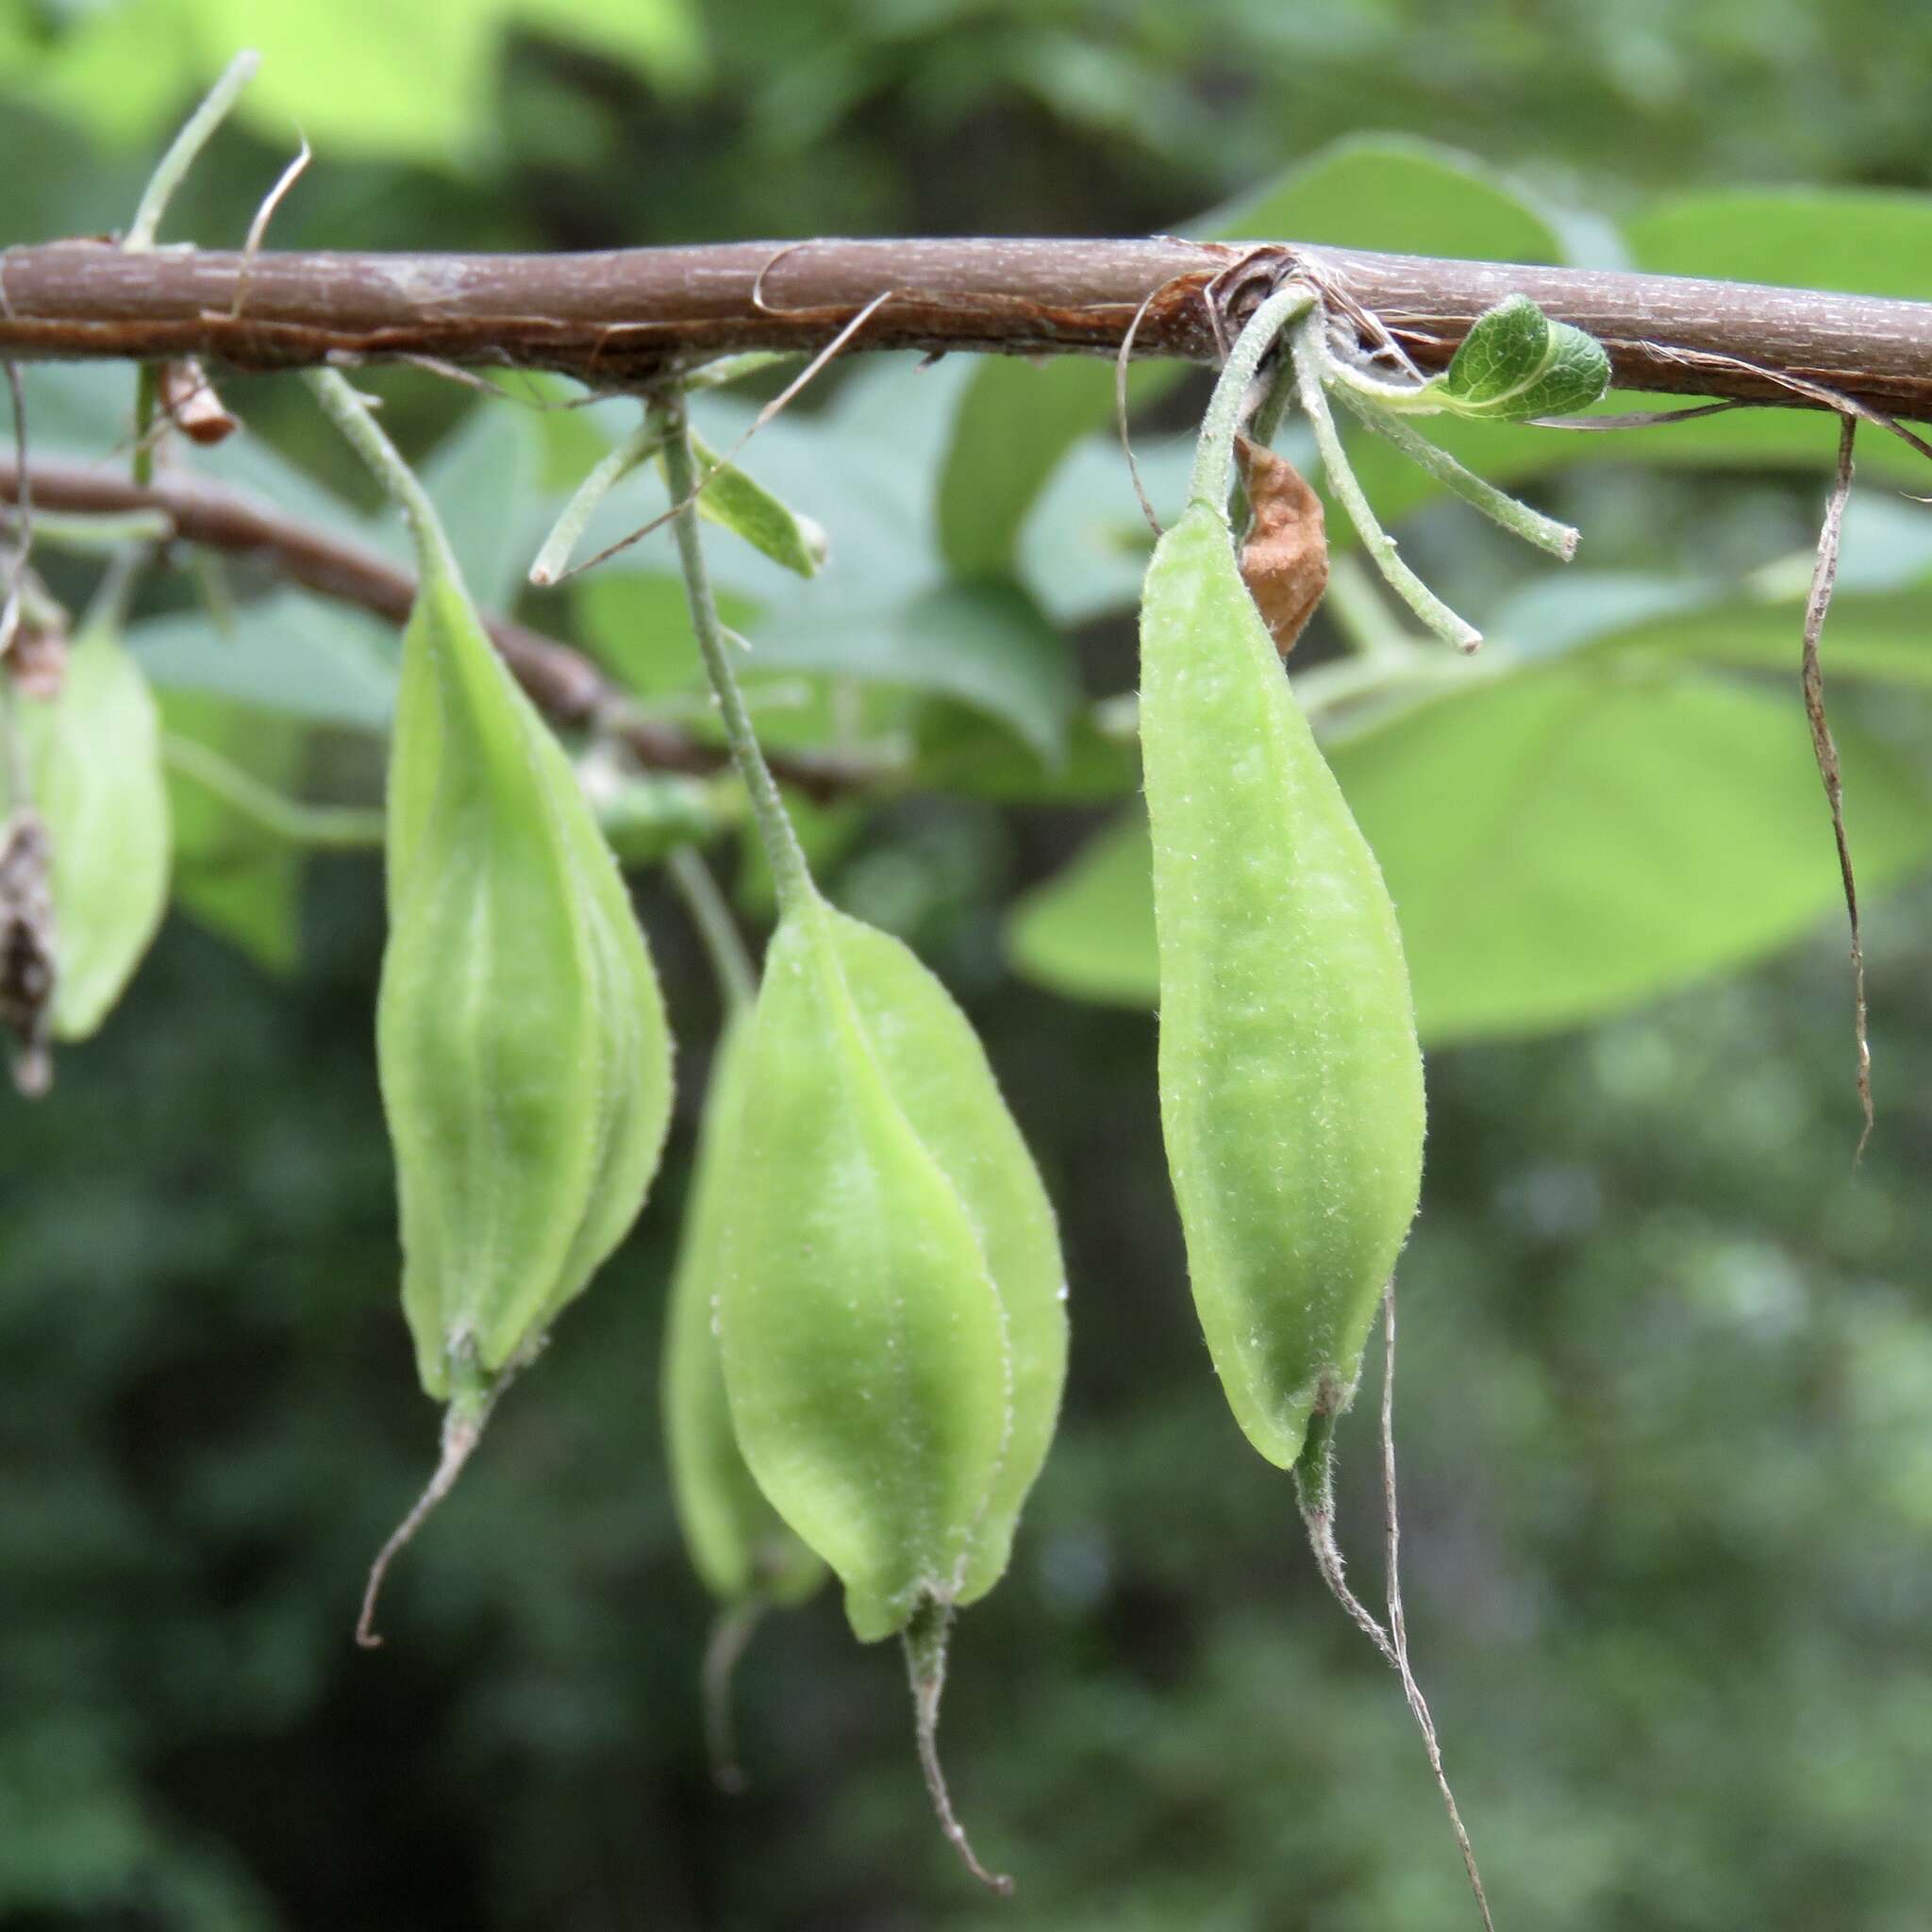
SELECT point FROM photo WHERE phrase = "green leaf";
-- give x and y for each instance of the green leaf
(1389, 192)
(744, 506)
(1568, 844)
(1560, 846)
(293, 655)
(1515, 363)
(230, 875)
(1089, 933)
(121, 73)
(1865, 240)
(660, 39)
(988, 646)
(360, 77)
(637, 624)
(485, 481)
(965, 751)
(1879, 637)
(1015, 422)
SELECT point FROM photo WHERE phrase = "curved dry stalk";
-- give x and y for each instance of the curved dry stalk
(1120, 409)
(1824, 580)
(1314, 1479)
(730, 1632)
(462, 1429)
(1398, 1627)
(925, 1666)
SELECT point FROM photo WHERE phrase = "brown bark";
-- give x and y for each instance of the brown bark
(624, 316)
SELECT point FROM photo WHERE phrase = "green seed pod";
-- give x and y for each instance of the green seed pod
(93, 761)
(739, 1544)
(1291, 1079)
(521, 1039)
(891, 1303)
(741, 1548)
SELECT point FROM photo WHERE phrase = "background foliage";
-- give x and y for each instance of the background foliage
(1667, 1360)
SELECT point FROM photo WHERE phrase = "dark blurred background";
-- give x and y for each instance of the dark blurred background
(1667, 1395)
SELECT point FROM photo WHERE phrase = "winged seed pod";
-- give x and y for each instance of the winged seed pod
(521, 1039)
(93, 764)
(892, 1299)
(741, 1548)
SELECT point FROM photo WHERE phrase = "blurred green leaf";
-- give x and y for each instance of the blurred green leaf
(987, 644)
(1389, 192)
(291, 655)
(1867, 241)
(484, 480)
(1089, 933)
(1016, 420)
(1877, 637)
(660, 39)
(637, 624)
(1015, 424)
(963, 750)
(1561, 845)
(417, 82)
(1566, 843)
(234, 877)
(121, 72)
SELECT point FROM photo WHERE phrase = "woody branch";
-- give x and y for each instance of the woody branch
(625, 317)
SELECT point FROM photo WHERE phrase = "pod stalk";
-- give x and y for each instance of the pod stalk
(1314, 1484)
(790, 874)
(462, 1429)
(731, 1631)
(925, 1638)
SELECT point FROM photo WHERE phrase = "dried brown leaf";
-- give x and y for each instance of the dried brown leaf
(1285, 558)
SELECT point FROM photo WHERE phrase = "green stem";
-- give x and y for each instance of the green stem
(712, 917)
(786, 857)
(1266, 423)
(107, 610)
(179, 158)
(1311, 359)
(1351, 381)
(1212, 481)
(1314, 1489)
(715, 375)
(1546, 533)
(146, 392)
(321, 827)
(90, 534)
(349, 412)
(565, 534)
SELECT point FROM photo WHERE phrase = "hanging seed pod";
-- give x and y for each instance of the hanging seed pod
(521, 1039)
(891, 1300)
(93, 766)
(741, 1548)
(1291, 1081)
